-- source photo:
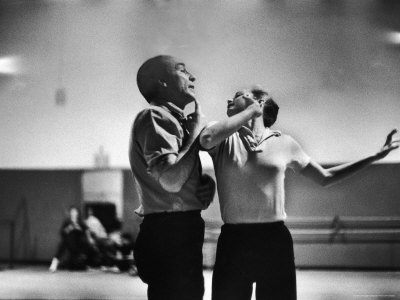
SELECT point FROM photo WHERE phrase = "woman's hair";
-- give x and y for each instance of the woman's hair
(80, 219)
(74, 207)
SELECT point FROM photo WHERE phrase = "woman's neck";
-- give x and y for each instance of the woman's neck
(256, 126)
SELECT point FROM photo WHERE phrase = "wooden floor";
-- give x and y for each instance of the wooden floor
(35, 282)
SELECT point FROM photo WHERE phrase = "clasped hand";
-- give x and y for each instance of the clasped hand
(195, 121)
(206, 190)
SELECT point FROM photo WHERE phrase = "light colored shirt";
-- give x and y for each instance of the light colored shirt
(157, 131)
(96, 227)
(250, 175)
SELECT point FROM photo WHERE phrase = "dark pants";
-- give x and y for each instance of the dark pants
(76, 246)
(260, 253)
(168, 255)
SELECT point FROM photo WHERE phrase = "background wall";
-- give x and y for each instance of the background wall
(333, 66)
(38, 201)
(48, 194)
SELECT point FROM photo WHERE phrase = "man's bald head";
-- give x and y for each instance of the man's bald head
(164, 78)
(152, 74)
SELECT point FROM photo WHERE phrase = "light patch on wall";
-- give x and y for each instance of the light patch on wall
(10, 65)
(104, 186)
(393, 37)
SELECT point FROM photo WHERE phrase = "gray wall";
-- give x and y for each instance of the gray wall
(48, 195)
(373, 192)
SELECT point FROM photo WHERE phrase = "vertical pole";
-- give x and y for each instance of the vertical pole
(12, 229)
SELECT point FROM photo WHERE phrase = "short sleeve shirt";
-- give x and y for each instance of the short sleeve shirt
(250, 175)
(156, 133)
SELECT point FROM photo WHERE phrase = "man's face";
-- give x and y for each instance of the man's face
(240, 102)
(180, 83)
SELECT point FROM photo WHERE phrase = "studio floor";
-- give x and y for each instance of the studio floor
(35, 282)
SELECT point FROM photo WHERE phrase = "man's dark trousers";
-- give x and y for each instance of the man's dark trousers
(168, 255)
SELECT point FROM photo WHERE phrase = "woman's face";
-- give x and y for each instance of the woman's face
(74, 214)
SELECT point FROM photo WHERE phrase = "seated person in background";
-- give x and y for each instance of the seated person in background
(117, 252)
(99, 236)
(125, 261)
(75, 241)
(96, 229)
(112, 251)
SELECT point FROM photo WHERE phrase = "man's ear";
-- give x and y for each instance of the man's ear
(162, 83)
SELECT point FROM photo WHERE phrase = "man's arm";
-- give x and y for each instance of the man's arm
(176, 169)
(326, 177)
(214, 134)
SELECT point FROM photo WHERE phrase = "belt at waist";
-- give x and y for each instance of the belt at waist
(253, 226)
(161, 215)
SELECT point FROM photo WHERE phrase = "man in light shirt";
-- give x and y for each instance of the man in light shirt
(172, 189)
(250, 160)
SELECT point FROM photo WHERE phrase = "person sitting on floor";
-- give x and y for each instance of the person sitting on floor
(75, 241)
(117, 253)
(96, 228)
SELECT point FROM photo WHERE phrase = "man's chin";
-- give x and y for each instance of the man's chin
(190, 98)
